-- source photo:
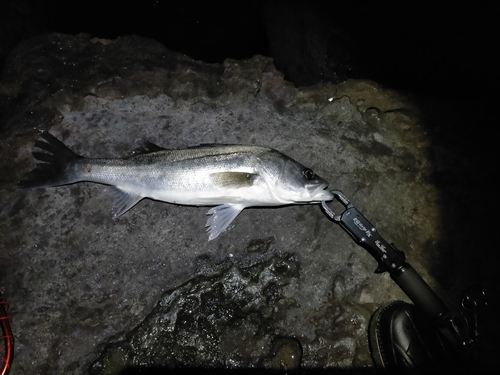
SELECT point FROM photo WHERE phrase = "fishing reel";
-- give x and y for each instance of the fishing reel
(418, 338)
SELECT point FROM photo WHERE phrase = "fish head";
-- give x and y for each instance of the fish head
(299, 184)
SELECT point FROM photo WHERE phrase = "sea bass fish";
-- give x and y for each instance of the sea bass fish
(230, 177)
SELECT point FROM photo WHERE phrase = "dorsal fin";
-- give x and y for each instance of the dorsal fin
(145, 148)
(205, 145)
(151, 147)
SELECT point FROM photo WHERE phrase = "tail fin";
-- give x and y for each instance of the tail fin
(54, 171)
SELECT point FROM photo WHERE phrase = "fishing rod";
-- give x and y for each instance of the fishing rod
(452, 335)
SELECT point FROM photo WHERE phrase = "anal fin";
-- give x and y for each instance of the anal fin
(221, 217)
(123, 201)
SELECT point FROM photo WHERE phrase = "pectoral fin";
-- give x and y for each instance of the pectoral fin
(233, 179)
(123, 201)
(221, 217)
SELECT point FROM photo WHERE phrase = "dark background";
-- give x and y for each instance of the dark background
(444, 50)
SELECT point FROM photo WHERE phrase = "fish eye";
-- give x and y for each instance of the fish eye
(308, 174)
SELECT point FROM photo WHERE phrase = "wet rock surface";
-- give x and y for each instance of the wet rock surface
(224, 321)
(84, 288)
(243, 318)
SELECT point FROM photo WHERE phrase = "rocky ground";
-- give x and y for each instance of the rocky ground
(89, 293)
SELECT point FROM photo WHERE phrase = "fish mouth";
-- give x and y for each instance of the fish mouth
(319, 192)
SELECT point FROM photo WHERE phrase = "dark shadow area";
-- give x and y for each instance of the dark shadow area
(445, 51)
(210, 371)
(462, 153)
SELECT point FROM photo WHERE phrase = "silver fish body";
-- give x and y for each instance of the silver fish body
(230, 177)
